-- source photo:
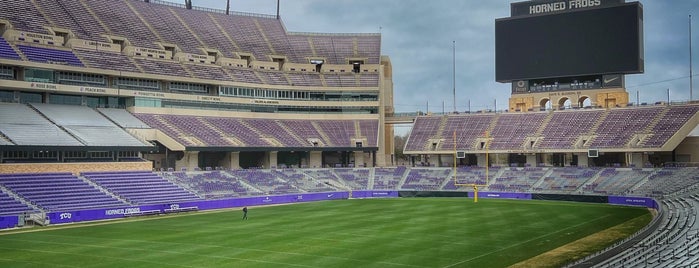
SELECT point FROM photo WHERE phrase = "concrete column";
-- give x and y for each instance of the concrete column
(481, 160)
(359, 159)
(233, 160)
(635, 159)
(316, 159)
(583, 160)
(190, 161)
(271, 160)
(531, 160)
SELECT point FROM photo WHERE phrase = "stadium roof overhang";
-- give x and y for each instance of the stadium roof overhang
(36, 148)
(280, 149)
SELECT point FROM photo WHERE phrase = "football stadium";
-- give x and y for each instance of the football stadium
(133, 132)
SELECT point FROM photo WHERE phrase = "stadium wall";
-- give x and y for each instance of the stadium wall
(74, 168)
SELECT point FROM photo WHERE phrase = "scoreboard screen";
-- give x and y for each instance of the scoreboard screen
(606, 40)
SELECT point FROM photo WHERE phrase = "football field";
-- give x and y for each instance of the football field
(396, 232)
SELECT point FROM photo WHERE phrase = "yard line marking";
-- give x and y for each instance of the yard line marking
(526, 241)
(34, 262)
(90, 255)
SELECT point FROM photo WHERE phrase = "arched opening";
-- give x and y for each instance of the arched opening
(564, 103)
(584, 101)
(544, 104)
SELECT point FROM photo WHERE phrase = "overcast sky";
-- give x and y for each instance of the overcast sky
(417, 35)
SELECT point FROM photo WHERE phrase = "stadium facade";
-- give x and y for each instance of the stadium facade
(202, 88)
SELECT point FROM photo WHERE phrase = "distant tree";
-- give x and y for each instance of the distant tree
(399, 143)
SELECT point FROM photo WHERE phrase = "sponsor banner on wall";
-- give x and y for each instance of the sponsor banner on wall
(374, 194)
(633, 201)
(501, 195)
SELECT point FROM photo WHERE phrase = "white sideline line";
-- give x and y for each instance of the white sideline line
(526, 241)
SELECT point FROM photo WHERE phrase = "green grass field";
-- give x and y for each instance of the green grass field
(399, 232)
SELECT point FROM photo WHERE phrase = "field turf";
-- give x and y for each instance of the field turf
(398, 232)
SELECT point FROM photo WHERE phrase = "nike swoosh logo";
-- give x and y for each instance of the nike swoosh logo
(606, 81)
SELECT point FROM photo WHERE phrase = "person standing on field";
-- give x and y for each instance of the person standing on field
(245, 213)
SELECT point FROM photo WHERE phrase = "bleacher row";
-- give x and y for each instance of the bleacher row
(674, 244)
(65, 191)
(66, 125)
(192, 31)
(246, 132)
(636, 127)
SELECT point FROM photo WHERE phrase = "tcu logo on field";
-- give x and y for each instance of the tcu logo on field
(175, 206)
(65, 216)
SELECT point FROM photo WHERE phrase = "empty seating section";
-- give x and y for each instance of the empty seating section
(613, 128)
(106, 60)
(207, 29)
(242, 132)
(338, 131)
(428, 179)
(341, 80)
(147, 24)
(122, 21)
(616, 181)
(245, 33)
(166, 24)
(57, 191)
(48, 55)
(669, 124)
(668, 180)
(23, 15)
(273, 129)
(620, 124)
(565, 127)
(511, 130)
(305, 79)
(141, 188)
(566, 180)
(208, 72)
(304, 129)
(424, 128)
(467, 128)
(122, 118)
(65, 192)
(308, 180)
(86, 124)
(388, 178)
(274, 78)
(25, 126)
(370, 130)
(12, 206)
(244, 75)
(161, 67)
(245, 132)
(6, 51)
(265, 181)
(354, 178)
(212, 184)
(72, 15)
(517, 179)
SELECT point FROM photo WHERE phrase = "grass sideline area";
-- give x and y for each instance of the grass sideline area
(394, 232)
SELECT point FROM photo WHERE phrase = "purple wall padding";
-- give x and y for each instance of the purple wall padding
(8, 221)
(633, 201)
(501, 195)
(111, 213)
(374, 194)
